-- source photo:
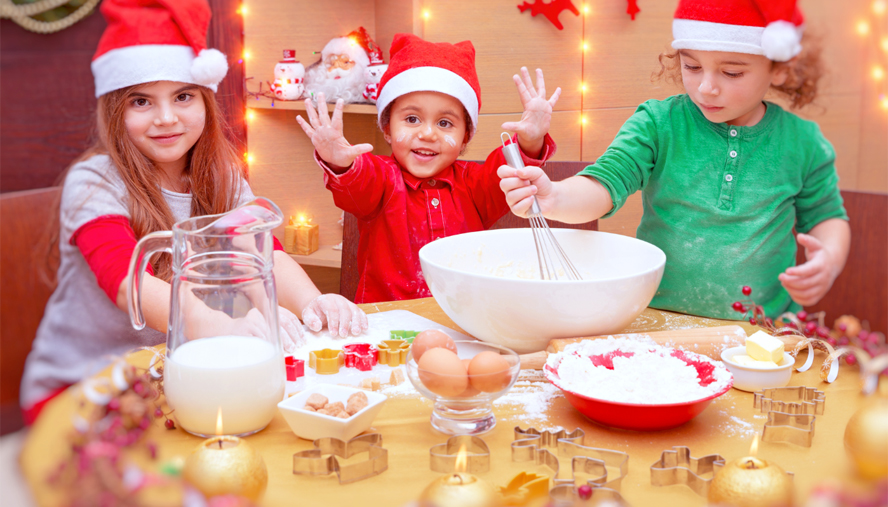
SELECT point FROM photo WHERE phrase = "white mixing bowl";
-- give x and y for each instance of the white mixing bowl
(488, 283)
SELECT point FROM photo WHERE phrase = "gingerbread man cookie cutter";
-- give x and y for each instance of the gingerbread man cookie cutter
(324, 458)
(790, 400)
(532, 445)
(442, 457)
(677, 466)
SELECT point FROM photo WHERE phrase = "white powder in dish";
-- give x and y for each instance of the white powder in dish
(635, 371)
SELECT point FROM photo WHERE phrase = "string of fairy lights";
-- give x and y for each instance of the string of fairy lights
(872, 29)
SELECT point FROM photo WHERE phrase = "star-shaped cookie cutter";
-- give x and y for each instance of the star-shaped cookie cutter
(677, 466)
(393, 352)
(794, 428)
(442, 457)
(324, 458)
(790, 400)
(523, 488)
(532, 445)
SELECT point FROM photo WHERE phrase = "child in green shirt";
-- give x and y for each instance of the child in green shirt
(725, 176)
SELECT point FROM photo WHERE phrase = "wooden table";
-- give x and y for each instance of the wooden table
(726, 427)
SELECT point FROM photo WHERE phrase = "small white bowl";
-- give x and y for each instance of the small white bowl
(311, 425)
(753, 378)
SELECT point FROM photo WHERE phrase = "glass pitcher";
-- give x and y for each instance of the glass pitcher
(224, 371)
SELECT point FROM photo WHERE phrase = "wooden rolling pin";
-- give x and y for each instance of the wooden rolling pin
(708, 341)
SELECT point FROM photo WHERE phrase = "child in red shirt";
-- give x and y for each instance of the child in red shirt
(428, 106)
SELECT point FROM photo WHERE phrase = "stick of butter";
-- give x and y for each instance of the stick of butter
(744, 360)
(763, 347)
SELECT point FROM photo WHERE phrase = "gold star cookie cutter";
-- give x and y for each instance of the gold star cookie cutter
(523, 488)
(324, 458)
(443, 457)
(790, 400)
(677, 466)
(393, 352)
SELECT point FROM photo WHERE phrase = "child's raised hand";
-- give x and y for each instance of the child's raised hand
(520, 185)
(535, 120)
(809, 282)
(326, 134)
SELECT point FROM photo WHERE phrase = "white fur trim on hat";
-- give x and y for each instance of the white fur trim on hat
(209, 67)
(146, 63)
(429, 79)
(781, 41)
(774, 43)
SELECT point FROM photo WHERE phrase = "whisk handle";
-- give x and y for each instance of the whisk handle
(513, 157)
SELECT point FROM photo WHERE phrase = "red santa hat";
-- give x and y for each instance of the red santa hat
(772, 28)
(416, 65)
(156, 40)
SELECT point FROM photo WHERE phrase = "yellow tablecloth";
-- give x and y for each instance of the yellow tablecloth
(726, 427)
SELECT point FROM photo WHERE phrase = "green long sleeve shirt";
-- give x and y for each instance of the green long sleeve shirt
(720, 200)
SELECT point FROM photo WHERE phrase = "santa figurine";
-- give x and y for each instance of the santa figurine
(288, 77)
(340, 72)
(373, 74)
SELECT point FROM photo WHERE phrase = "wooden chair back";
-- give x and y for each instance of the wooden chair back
(348, 281)
(25, 219)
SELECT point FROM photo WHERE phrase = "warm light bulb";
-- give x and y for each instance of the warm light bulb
(583, 120)
(426, 14)
(583, 87)
(885, 44)
(586, 9)
(250, 115)
(863, 27)
(249, 158)
(878, 73)
(879, 7)
(585, 46)
(246, 55)
(885, 103)
(243, 10)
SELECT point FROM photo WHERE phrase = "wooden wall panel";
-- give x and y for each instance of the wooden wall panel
(601, 127)
(625, 221)
(564, 129)
(505, 40)
(839, 120)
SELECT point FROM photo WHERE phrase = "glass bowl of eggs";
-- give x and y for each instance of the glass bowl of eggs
(462, 378)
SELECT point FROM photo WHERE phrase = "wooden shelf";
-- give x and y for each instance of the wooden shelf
(325, 257)
(299, 105)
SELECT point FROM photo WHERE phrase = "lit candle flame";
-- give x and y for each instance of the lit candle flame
(753, 449)
(219, 422)
(461, 459)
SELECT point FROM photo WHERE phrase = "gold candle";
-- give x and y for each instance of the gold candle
(290, 236)
(307, 236)
(460, 489)
(751, 482)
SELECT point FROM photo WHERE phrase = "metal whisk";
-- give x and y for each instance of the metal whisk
(549, 253)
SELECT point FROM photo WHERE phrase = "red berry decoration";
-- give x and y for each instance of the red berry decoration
(585, 492)
(810, 327)
(738, 306)
(170, 425)
(753, 321)
(851, 359)
(747, 290)
(802, 315)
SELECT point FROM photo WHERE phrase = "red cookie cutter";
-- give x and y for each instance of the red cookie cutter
(360, 355)
(295, 368)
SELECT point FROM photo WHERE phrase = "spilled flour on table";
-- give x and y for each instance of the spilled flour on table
(734, 426)
(531, 399)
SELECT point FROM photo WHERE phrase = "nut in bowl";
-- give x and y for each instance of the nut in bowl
(755, 378)
(351, 411)
(463, 384)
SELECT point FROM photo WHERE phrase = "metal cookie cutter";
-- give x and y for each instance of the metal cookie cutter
(795, 428)
(442, 457)
(567, 495)
(523, 488)
(677, 466)
(585, 460)
(407, 336)
(326, 361)
(362, 356)
(324, 458)
(790, 400)
(393, 352)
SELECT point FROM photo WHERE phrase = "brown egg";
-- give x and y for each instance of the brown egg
(431, 339)
(489, 372)
(470, 391)
(442, 372)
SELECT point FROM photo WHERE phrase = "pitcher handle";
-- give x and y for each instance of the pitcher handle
(161, 241)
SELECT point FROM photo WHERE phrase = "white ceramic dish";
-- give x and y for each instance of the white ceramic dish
(488, 283)
(311, 425)
(753, 378)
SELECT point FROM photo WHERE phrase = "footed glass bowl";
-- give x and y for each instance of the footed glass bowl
(470, 412)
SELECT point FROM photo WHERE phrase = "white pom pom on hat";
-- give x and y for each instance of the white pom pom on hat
(156, 40)
(772, 28)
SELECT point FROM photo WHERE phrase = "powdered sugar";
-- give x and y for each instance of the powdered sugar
(636, 371)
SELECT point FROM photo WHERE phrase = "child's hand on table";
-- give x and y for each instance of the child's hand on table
(340, 315)
(520, 185)
(809, 282)
(325, 134)
(534, 123)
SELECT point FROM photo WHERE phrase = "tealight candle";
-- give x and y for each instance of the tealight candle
(226, 465)
(751, 482)
(460, 489)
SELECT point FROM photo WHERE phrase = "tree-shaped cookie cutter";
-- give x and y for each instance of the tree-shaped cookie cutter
(393, 352)
(532, 445)
(677, 466)
(790, 400)
(324, 458)
(442, 457)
